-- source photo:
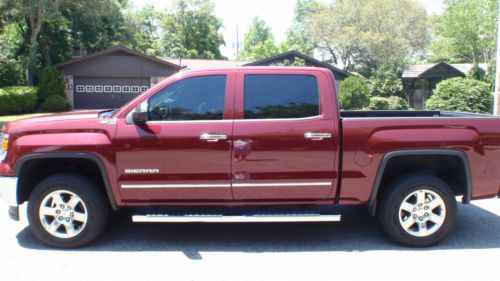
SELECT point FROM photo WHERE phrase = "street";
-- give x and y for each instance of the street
(354, 249)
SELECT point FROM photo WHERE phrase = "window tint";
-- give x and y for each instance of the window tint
(281, 96)
(195, 98)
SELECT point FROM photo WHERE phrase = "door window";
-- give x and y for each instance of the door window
(195, 98)
(281, 96)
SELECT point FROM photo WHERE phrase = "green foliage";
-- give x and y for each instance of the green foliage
(397, 103)
(295, 62)
(462, 94)
(144, 26)
(18, 99)
(192, 30)
(369, 33)
(259, 41)
(477, 73)
(379, 103)
(465, 32)
(386, 83)
(297, 34)
(354, 93)
(51, 83)
(54, 104)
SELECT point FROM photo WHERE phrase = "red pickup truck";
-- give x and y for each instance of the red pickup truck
(250, 144)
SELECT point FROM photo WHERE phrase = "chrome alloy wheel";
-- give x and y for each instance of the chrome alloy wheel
(63, 214)
(422, 213)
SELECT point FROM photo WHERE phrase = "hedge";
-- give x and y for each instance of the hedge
(379, 103)
(18, 99)
(54, 104)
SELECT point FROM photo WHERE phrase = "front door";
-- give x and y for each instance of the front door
(183, 152)
(285, 144)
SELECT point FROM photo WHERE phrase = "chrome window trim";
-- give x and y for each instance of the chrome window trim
(183, 185)
(315, 117)
(189, 121)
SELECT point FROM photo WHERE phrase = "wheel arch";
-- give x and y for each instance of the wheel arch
(23, 161)
(382, 169)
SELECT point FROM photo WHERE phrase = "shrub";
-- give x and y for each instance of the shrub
(18, 99)
(397, 103)
(477, 73)
(385, 83)
(54, 104)
(9, 73)
(462, 94)
(379, 103)
(51, 83)
(354, 93)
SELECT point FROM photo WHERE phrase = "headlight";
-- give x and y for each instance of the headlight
(5, 146)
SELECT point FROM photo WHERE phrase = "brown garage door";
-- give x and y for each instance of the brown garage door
(103, 93)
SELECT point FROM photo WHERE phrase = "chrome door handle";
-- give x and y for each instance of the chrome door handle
(213, 137)
(317, 136)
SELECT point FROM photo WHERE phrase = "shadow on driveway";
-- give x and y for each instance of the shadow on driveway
(476, 229)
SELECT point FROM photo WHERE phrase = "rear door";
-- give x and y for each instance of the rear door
(285, 142)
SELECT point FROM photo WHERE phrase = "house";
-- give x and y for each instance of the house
(291, 56)
(421, 79)
(111, 78)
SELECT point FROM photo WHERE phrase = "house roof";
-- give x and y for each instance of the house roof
(114, 50)
(291, 54)
(205, 63)
(419, 70)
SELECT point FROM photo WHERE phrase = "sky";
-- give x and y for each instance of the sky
(278, 14)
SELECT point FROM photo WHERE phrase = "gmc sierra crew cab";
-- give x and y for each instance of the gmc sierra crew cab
(249, 144)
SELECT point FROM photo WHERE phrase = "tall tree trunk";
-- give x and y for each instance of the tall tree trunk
(36, 26)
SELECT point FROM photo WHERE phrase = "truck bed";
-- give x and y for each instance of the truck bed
(408, 113)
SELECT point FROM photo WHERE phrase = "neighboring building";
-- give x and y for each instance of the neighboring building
(290, 57)
(203, 63)
(111, 78)
(421, 79)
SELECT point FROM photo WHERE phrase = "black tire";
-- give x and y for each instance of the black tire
(391, 200)
(91, 196)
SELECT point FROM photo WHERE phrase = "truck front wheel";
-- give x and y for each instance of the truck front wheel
(67, 211)
(418, 210)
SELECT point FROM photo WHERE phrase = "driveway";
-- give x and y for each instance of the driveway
(354, 249)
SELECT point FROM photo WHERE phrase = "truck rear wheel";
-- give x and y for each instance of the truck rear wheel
(67, 211)
(418, 210)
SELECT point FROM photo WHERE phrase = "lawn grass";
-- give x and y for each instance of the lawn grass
(7, 118)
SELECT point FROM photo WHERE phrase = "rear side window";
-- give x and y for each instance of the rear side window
(280, 96)
(195, 98)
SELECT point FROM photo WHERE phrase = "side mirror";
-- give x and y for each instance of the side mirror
(141, 115)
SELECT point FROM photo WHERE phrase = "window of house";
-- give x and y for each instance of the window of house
(108, 89)
(135, 89)
(144, 88)
(195, 98)
(117, 89)
(278, 96)
(80, 88)
(89, 88)
(98, 88)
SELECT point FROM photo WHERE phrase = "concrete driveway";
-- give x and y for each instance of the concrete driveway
(355, 249)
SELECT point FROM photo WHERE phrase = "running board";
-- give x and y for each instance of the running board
(236, 219)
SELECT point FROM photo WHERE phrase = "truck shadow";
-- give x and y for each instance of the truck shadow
(476, 229)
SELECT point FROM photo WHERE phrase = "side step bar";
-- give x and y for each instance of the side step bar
(236, 219)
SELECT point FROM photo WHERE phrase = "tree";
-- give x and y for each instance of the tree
(259, 41)
(144, 27)
(297, 34)
(354, 93)
(386, 83)
(465, 32)
(369, 33)
(462, 94)
(192, 30)
(48, 28)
